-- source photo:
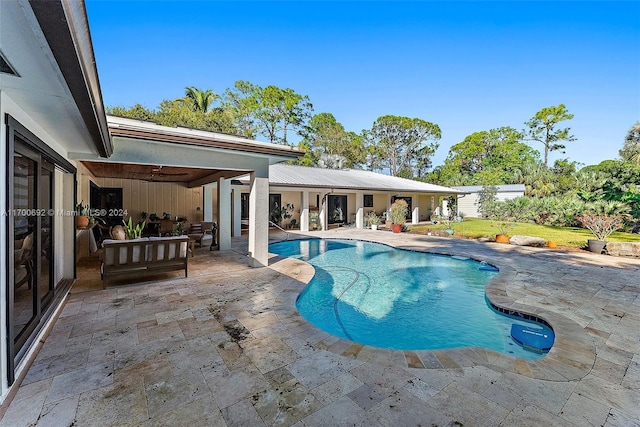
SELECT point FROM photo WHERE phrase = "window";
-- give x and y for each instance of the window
(368, 200)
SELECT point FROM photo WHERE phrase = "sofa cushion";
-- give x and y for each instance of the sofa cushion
(181, 250)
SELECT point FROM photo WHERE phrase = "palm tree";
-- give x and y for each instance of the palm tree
(199, 100)
(631, 150)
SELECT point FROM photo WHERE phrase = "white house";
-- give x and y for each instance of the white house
(468, 203)
(324, 198)
(58, 145)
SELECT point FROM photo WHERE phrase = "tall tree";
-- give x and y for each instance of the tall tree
(241, 101)
(542, 128)
(402, 143)
(630, 151)
(270, 111)
(486, 157)
(183, 112)
(178, 113)
(326, 142)
(199, 100)
(283, 110)
(136, 112)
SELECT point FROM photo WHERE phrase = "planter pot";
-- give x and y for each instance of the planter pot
(388, 224)
(502, 238)
(597, 246)
(449, 231)
(82, 221)
(374, 226)
(551, 244)
(396, 228)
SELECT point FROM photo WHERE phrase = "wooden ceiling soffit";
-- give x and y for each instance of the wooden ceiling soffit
(150, 173)
(213, 177)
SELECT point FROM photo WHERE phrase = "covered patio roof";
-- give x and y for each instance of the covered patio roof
(150, 152)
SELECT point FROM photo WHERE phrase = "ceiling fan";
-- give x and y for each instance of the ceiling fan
(158, 173)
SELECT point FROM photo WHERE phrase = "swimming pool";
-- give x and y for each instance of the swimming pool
(385, 297)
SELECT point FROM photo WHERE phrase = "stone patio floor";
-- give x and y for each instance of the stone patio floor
(226, 347)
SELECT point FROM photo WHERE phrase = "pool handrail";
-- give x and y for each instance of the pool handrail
(279, 228)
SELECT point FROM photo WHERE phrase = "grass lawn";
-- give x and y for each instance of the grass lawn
(565, 236)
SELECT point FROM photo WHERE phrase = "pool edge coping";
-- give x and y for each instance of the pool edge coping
(571, 358)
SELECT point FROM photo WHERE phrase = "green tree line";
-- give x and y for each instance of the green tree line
(404, 146)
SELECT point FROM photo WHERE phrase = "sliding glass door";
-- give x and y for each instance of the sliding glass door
(33, 290)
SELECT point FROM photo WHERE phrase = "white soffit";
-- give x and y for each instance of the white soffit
(41, 90)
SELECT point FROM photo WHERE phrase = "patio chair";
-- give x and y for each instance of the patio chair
(166, 227)
(23, 263)
(203, 233)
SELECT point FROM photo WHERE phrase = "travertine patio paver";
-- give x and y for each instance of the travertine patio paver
(226, 347)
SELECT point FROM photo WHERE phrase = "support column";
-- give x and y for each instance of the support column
(415, 213)
(359, 209)
(237, 211)
(207, 208)
(224, 214)
(258, 221)
(304, 212)
(323, 213)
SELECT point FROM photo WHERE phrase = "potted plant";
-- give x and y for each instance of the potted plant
(133, 231)
(398, 211)
(503, 231)
(601, 225)
(447, 226)
(82, 215)
(280, 214)
(373, 220)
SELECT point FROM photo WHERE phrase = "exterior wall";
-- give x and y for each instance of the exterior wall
(508, 195)
(424, 204)
(65, 227)
(380, 203)
(294, 198)
(468, 205)
(351, 207)
(153, 197)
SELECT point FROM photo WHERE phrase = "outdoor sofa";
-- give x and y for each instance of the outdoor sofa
(147, 255)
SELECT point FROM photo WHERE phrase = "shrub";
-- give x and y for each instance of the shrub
(601, 225)
(399, 210)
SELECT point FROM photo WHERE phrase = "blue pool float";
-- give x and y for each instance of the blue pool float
(540, 340)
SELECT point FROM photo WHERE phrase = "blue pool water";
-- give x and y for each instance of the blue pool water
(384, 297)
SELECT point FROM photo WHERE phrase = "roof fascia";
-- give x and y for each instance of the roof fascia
(66, 28)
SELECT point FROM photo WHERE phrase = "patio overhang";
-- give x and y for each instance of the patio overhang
(150, 152)
(146, 151)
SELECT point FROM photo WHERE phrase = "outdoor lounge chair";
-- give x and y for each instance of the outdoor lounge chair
(203, 233)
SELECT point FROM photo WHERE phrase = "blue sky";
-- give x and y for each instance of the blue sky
(466, 66)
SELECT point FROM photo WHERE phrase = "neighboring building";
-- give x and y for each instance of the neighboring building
(323, 198)
(468, 203)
